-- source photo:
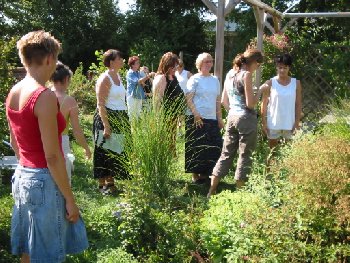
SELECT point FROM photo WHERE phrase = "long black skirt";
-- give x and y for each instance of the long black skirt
(107, 162)
(202, 147)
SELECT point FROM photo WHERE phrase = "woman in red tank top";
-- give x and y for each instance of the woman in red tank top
(45, 215)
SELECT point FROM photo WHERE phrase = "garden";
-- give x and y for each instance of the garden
(296, 210)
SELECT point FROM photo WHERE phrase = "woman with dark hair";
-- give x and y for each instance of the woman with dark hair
(69, 109)
(281, 105)
(110, 122)
(203, 121)
(46, 224)
(167, 91)
(135, 82)
(241, 129)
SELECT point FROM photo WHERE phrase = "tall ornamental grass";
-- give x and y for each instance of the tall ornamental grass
(150, 147)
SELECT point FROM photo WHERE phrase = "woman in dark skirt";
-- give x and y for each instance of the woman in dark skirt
(168, 93)
(203, 121)
(110, 125)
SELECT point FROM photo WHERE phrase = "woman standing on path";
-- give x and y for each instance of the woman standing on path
(46, 224)
(69, 109)
(241, 128)
(203, 121)
(110, 121)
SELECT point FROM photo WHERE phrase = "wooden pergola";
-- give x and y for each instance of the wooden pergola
(261, 11)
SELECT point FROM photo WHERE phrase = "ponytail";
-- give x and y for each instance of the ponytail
(239, 61)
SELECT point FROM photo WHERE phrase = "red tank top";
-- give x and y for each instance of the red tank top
(25, 127)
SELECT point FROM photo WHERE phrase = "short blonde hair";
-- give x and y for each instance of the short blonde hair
(35, 46)
(200, 58)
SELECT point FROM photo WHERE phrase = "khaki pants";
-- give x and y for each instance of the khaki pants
(240, 135)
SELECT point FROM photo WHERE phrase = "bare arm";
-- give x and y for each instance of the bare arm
(224, 99)
(265, 101)
(197, 117)
(46, 111)
(159, 84)
(77, 131)
(102, 90)
(298, 106)
(251, 99)
(219, 112)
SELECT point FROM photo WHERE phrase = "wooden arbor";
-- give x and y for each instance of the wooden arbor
(261, 12)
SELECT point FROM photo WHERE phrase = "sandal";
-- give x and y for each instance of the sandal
(102, 189)
(111, 189)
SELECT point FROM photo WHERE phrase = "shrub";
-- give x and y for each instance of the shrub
(115, 255)
(319, 172)
(227, 223)
(153, 232)
(83, 90)
(6, 81)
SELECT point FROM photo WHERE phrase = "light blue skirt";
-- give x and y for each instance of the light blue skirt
(39, 226)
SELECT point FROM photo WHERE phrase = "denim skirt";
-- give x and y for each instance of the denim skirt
(39, 226)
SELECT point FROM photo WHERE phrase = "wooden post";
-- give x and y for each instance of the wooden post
(219, 48)
(259, 17)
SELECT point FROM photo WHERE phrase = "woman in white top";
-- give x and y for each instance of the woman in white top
(282, 103)
(69, 108)
(111, 114)
(182, 75)
(203, 121)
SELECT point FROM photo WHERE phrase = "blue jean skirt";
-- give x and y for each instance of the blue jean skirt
(39, 226)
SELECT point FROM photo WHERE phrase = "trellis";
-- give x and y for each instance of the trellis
(261, 11)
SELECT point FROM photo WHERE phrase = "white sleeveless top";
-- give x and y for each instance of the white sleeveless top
(281, 107)
(182, 79)
(116, 96)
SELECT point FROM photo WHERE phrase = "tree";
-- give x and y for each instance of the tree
(81, 26)
(155, 27)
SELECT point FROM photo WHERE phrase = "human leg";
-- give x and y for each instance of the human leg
(247, 143)
(228, 152)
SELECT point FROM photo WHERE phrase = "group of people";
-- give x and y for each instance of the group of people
(46, 223)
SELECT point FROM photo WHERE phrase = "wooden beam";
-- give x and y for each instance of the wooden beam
(211, 6)
(230, 6)
(260, 17)
(219, 48)
(267, 8)
(276, 24)
(329, 14)
(268, 25)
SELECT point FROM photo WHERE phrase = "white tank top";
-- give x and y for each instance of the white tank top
(281, 107)
(116, 96)
(182, 78)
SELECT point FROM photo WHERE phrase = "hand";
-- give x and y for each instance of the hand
(87, 153)
(107, 132)
(72, 211)
(198, 122)
(296, 127)
(221, 124)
